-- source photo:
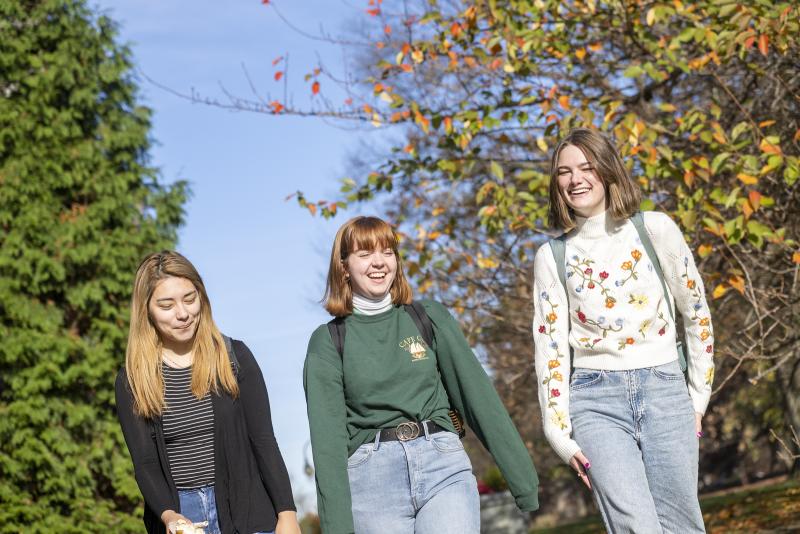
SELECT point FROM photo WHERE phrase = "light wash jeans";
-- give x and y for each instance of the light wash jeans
(637, 428)
(422, 486)
(200, 505)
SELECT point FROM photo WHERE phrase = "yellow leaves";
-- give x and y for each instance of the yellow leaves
(418, 56)
(651, 16)
(487, 262)
(704, 250)
(747, 179)
(580, 53)
(542, 144)
(563, 101)
(437, 211)
(737, 283)
(720, 290)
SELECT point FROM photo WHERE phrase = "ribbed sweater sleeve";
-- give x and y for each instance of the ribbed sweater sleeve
(472, 393)
(327, 417)
(686, 286)
(551, 346)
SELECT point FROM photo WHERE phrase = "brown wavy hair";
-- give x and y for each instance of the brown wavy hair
(623, 195)
(211, 367)
(361, 233)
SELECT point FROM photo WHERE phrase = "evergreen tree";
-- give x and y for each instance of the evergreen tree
(80, 205)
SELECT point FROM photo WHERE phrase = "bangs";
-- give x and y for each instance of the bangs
(368, 233)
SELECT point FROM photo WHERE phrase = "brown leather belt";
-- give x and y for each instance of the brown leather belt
(409, 430)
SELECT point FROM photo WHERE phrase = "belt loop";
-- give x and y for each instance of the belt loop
(377, 444)
(425, 427)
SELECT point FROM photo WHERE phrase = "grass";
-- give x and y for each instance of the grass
(774, 509)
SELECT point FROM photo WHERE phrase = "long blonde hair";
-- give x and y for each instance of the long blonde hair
(211, 366)
(361, 233)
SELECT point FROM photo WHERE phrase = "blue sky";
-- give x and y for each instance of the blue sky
(263, 259)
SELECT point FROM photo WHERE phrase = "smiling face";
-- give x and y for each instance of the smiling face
(580, 186)
(174, 310)
(372, 272)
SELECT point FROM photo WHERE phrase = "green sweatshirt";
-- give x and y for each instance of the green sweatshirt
(389, 375)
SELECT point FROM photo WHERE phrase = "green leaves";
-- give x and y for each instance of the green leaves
(79, 208)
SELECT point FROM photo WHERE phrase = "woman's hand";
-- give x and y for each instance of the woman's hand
(698, 424)
(287, 523)
(170, 518)
(581, 465)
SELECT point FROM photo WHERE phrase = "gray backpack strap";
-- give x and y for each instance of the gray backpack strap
(559, 247)
(638, 222)
(231, 354)
(337, 330)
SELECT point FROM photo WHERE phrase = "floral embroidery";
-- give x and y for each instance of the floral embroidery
(630, 266)
(709, 375)
(587, 344)
(600, 323)
(639, 301)
(583, 269)
(644, 327)
(625, 342)
(554, 377)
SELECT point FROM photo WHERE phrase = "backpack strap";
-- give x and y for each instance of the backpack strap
(231, 355)
(638, 222)
(423, 323)
(559, 247)
(337, 330)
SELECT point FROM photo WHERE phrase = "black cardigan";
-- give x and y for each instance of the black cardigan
(251, 482)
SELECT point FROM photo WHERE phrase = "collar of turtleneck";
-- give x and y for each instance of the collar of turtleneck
(367, 306)
(597, 226)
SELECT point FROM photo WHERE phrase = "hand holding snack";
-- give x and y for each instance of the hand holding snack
(184, 526)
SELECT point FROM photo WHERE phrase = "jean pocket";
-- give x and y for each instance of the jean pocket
(668, 371)
(361, 455)
(446, 442)
(584, 379)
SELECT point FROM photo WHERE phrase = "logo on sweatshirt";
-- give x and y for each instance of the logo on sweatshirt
(416, 347)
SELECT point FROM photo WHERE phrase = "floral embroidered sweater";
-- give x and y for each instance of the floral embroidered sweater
(618, 315)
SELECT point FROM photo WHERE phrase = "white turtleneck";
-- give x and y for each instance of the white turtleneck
(367, 306)
(618, 316)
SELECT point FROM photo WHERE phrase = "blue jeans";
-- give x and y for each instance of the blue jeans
(422, 486)
(201, 505)
(637, 428)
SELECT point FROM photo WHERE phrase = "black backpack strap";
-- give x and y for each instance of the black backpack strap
(420, 317)
(337, 330)
(231, 354)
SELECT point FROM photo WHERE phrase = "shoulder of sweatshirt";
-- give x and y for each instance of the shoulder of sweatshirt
(436, 310)
(320, 345)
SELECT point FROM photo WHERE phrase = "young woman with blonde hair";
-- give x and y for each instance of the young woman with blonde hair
(614, 401)
(381, 380)
(194, 411)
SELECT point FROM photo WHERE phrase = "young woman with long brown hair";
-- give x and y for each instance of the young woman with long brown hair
(614, 401)
(195, 414)
(386, 452)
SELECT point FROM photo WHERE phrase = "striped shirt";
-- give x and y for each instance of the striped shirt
(188, 431)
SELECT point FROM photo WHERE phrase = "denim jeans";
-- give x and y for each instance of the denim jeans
(422, 486)
(201, 505)
(637, 428)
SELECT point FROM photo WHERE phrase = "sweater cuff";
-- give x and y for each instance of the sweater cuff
(566, 449)
(700, 403)
(528, 502)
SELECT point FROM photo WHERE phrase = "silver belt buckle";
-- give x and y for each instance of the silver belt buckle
(407, 431)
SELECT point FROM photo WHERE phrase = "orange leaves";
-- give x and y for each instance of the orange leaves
(763, 44)
(374, 12)
(312, 208)
(737, 283)
(580, 53)
(278, 75)
(754, 197)
(387, 30)
(277, 60)
(768, 147)
(796, 257)
(276, 106)
(455, 29)
(704, 250)
(563, 101)
(448, 125)
(315, 88)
